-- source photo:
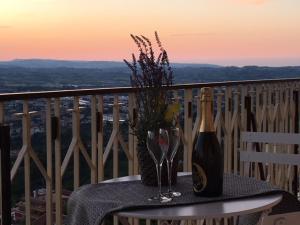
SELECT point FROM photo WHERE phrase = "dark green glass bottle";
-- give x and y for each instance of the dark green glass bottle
(207, 157)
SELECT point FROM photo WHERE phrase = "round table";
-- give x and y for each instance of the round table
(221, 209)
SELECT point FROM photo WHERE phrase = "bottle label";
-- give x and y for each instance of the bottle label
(199, 178)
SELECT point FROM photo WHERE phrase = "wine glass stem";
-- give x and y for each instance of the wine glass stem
(158, 171)
(169, 167)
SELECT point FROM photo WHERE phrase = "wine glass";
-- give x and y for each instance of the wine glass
(158, 157)
(174, 140)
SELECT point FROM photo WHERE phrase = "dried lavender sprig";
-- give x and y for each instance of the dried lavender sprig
(137, 42)
(158, 41)
(152, 57)
(143, 43)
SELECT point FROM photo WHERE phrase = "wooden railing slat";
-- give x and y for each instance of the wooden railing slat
(58, 176)
(116, 118)
(49, 208)
(2, 113)
(188, 127)
(100, 138)
(94, 139)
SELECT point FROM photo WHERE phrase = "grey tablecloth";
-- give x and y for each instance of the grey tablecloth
(91, 203)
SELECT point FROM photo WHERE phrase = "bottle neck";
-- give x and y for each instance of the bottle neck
(207, 124)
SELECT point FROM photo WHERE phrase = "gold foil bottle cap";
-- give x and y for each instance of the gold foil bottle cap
(206, 94)
(207, 124)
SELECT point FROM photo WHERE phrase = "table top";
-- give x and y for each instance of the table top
(204, 210)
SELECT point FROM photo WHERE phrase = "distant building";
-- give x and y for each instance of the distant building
(38, 207)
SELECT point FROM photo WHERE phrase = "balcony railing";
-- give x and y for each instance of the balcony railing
(273, 103)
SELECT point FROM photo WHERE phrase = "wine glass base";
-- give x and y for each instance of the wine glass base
(175, 194)
(172, 194)
(153, 199)
(161, 199)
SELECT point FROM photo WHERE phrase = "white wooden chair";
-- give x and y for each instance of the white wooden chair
(276, 160)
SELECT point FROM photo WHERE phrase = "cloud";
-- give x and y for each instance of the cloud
(5, 26)
(41, 1)
(192, 34)
(255, 2)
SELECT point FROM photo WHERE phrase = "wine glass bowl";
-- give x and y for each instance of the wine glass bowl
(158, 155)
(154, 149)
(174, 141)
(163, 140)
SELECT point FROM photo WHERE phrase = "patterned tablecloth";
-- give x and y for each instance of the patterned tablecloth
(91, 203)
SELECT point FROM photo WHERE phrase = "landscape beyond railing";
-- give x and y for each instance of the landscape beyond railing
(55, 125)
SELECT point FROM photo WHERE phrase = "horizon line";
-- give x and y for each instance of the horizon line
(238, 62)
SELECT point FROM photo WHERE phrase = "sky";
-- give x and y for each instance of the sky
(224, 32)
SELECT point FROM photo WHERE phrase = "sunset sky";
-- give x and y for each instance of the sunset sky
(225, 32)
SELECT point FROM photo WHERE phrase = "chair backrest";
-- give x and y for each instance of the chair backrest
(272, 138)
(276, 160)
(269, 157)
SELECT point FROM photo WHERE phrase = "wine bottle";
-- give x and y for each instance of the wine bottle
(207, 158)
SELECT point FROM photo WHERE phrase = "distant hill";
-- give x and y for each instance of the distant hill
(194, 65)
(231, 73)
(16, 78)
(50, 63)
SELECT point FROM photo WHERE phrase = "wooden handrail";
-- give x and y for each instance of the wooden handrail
(118, 90)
